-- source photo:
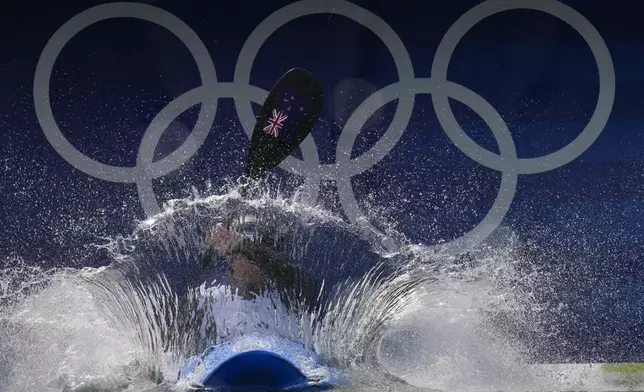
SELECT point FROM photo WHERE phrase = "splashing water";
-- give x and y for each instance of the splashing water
(386, 319)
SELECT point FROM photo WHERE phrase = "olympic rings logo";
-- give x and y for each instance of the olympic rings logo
(344, 168)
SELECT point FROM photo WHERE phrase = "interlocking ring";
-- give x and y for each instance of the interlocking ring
(342, 171)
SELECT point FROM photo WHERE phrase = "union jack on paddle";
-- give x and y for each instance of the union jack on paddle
(275, 123)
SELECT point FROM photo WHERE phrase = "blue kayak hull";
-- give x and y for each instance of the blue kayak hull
(271, 365)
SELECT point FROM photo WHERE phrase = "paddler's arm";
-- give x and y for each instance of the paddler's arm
(219, 240)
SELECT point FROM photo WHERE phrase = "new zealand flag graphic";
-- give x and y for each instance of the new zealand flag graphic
(290, 109)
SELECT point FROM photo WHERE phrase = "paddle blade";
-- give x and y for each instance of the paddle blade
(287, 117)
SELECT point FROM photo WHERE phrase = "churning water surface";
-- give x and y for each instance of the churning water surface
(392, 318)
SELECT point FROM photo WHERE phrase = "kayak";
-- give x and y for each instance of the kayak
(258, 363)
(268, 363)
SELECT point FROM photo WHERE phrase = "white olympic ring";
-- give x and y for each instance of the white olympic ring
(405, 90)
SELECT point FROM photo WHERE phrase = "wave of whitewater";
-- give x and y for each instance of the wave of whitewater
(396, 320)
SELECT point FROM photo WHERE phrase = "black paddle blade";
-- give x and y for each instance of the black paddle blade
(289, 113)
